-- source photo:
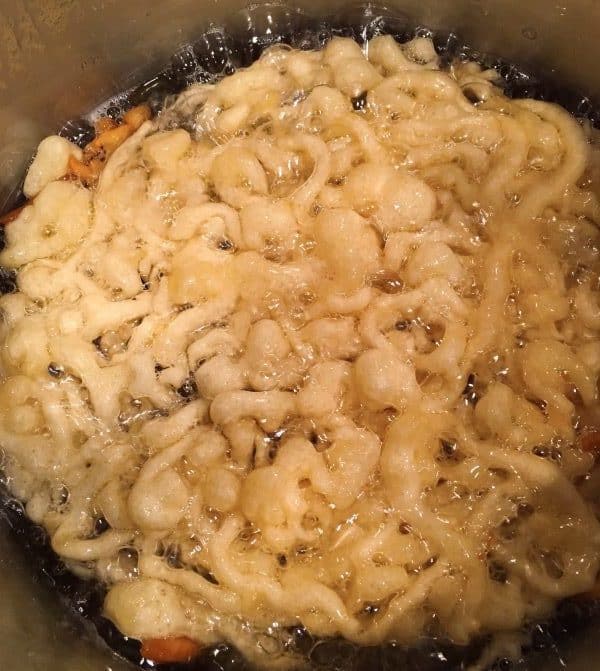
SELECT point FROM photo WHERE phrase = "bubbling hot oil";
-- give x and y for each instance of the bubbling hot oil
(215, 55)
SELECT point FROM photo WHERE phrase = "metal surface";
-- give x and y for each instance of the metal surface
(60, 58)
(37, 633)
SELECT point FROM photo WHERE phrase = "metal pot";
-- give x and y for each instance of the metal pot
(61, 58)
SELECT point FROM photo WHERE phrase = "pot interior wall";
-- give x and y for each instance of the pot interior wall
(62, 57)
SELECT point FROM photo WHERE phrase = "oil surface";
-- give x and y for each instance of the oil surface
(217, 53)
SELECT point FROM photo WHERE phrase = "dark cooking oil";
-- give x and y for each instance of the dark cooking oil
(219, 51)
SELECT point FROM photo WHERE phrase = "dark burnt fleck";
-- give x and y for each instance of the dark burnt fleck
(552, 564)
(542, 405)
(211, 578)
(574, 395)
(63, 496)
(404, 528)
(299, 640)
(8, 280)
(100, 525)
(525, 509)
(359, 102)
(276, 436)
(471, 96)
(497, 572)
(448, 449)
(470, 386)
(206, 574)
(173, 556)
(520, 340)
(470, 391)
(401, 325)
(188, 389)
(225, 245)
(429, 562)
(508, 528)
(547, 452)
(388, 282)
(371, 609)
(55, 370)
